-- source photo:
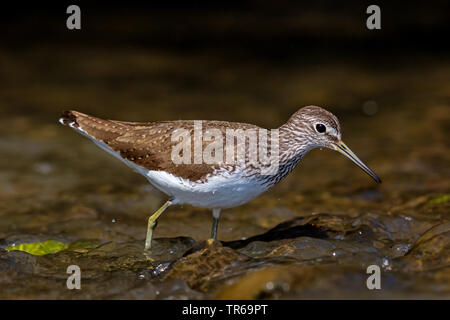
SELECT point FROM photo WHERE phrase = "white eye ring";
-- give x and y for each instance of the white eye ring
(320, 128)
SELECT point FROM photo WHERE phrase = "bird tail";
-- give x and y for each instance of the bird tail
(69, 118)
(93, 127)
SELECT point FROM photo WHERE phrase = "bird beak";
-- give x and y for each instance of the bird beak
(342, 148)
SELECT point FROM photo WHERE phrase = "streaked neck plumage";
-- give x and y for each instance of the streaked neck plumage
(294, 144)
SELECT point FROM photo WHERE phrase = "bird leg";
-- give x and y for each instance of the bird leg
(215, 225)
(152, 223)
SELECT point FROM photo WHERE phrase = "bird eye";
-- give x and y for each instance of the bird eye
(321, 128)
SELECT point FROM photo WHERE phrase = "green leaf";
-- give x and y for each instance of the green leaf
(40, 248)
(442, 199)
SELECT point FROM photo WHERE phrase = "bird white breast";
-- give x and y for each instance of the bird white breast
(222, 190)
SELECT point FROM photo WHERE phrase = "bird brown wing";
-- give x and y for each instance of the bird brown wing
(148, 145)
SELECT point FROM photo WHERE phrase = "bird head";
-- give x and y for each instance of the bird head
(315, 127)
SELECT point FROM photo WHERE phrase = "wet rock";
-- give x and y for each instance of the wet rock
(199, 267)
(297, 282)
(304, 248)
(431, 251)
(290, 229)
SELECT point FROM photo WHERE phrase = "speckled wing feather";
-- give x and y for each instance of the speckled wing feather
(148, 145)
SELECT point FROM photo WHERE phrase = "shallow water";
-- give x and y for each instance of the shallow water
(312, 236)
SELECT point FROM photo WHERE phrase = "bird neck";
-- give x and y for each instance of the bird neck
(293, 144)
(291, 149)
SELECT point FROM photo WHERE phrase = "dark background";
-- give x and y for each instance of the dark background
(268, 29)
(289, 35)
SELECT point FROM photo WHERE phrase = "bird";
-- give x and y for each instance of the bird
(213, 164)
